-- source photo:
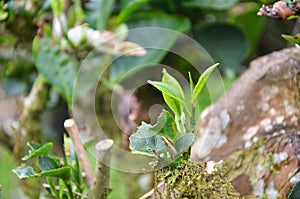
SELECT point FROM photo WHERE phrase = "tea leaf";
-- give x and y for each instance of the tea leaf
(146, 142)
(184, 142)
(24, 172)
(38, 150)
(202, 80)
(165, 125)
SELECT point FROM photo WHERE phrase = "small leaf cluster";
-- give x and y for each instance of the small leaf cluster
(62, 176)
(173, 134)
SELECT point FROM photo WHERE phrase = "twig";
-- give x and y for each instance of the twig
(71, 127)
(151, 192)
(103, 154)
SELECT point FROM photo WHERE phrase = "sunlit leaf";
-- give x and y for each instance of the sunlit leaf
(168, 79)
(171, 96)
(294, 39)
(202, 80)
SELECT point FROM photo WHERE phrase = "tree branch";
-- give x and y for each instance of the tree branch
(103, 154)
(71, 128)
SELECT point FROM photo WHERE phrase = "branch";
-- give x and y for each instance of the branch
(103, 154)
(71, 128)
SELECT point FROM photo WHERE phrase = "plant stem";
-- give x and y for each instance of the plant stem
(103, 155)
(71, 127)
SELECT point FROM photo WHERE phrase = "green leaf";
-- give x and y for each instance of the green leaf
(213, 4)
(168, 79)
(192, 86)
(24, 172)
(3, 15)
(46, 163)
(57, 6)
(38, 150)
(97, 13)
(294, 39)
(295, 193)
(226, 44)
(28, 172)
(146, 142)
(129, 9)
(165, 125)
(184, 142)
(146, 31)
(56, 66)
(170, 95)
(201, 82)
(63, 173)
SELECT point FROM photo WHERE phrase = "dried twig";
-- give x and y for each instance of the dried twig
(103, 154)
(71, 127)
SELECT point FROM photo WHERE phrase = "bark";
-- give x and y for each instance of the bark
(255, 127)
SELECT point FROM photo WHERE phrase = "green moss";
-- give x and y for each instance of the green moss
(190, 180)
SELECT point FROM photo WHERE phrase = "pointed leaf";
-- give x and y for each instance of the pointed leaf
(165, 125)
(38, 150)
(170, 95)
(295, 39)
(168, 79)
(192, 86)
(63, 173)
(202, 80)
(184, 142)
(146, 142)
(24, 172)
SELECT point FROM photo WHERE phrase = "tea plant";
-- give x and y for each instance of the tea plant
(172, 135)
(63, 176)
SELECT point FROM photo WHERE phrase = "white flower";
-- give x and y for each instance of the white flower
(76, 34)
(94, 37)
(58, 25)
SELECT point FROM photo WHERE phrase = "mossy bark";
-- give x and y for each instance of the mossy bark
(194, 180)
(255, 126)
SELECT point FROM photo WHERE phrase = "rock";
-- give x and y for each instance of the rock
(255, 127)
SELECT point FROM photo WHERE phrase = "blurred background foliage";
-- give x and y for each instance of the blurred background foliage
(36, 39)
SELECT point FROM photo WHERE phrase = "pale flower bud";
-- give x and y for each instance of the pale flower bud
(76, 35)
